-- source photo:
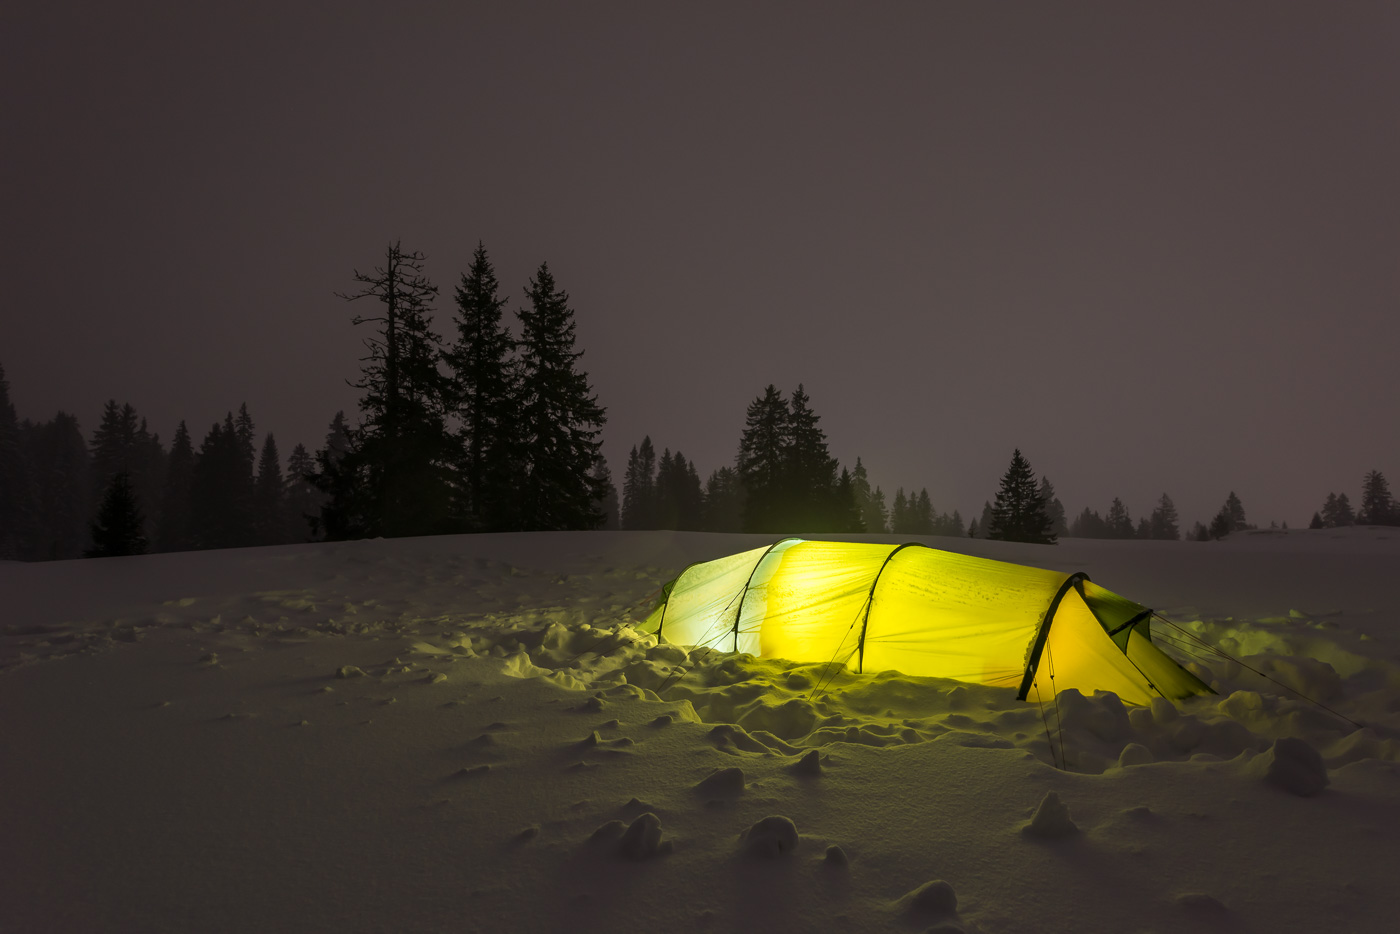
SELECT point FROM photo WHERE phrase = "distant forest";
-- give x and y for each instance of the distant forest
(490, 431)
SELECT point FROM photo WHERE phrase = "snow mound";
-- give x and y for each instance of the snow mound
(1051, 820)
(771, 837)
(1294, 766)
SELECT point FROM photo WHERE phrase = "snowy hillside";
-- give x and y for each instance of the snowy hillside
(466, 734)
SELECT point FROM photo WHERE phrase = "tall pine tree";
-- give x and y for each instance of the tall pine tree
(301, 500)
(559, 418)
(1019, 513)
(762, 462)
(484, 395)
(1163, 524)
(639, 487)
(269, 515)
(1377, 505)
(118, 529)
(173, 530)
(394, 481)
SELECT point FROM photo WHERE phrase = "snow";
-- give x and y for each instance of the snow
(467, 734)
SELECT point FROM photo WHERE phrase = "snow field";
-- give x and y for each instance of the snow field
(468, 734)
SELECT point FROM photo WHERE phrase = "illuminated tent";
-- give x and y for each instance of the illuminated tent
(923, 612)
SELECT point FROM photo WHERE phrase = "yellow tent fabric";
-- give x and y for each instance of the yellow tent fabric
(925, 612)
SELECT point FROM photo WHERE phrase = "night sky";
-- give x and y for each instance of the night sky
(1156, 246)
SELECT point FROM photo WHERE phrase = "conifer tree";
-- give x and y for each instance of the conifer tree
(1144, 528)
(113, 445)
(1053, 508)
(639, 487)
(484, 393)
(1222, 524)
(922, 514)
(247, 438)
(761, 463)
(607, 505)
(221, 491)
(1345, 515)
(559, 417)
(1163, 524)
(1316, 522)
(1089, 524)
(1377, 505)
(878, 514)
(847, 517)
(300, 498)
(901, 517)
(118, 529)
(984, 522)
(723, 509)
(270, 517)
(954, 526)
(61, 485)
(1199, 533)
(1019, 513)
(394, 480)
(338, 438)
(173, 530)
(810, 469)
(870, 505)
(1120, 524)
(1236, 510)
(19, 505)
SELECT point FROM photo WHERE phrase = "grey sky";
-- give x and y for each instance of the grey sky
(1154, 246)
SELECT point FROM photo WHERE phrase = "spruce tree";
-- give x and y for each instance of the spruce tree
(173, 530)
(984, 522)
(1053, 508)
(1120, 524)
(901, 517)
(338, 438)
(954, 525)
(60, 483)
(1316, 522)
(301, 501)
(483, 400)
(221, 491)
(847, 517)
(1345, 515)
(810, 469)
(270, 517)
(872, 509)
(921, 513)
(1019, 513)
(247, 437)
(761, 463)
(119, 528)
(394, 481)
(723, 509)
(639, 505)
(114, 448)
(607, 505)
(1163, 524)
(1377, 505)
(559, 417)
(1222, 525)
(1236, 510)
(19, 502)
(1089, 524)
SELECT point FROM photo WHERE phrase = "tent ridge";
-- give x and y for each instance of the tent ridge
(870, 598)
(1038, 646)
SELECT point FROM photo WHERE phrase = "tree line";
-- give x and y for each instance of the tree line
(490, 431)
(487, 432)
